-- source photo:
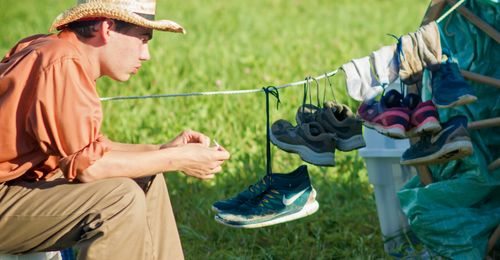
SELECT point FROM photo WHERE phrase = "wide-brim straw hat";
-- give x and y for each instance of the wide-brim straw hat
(138, 12)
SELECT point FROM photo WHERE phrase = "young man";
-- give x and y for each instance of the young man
(62, 182)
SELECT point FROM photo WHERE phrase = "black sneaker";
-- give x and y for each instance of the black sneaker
(451, 143)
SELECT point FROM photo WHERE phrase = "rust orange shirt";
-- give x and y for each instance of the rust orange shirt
(50, 112)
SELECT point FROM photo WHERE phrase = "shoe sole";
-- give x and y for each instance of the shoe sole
(463, 100)
(395, 131)
(449, 152)
(430, 125)
(307, 210)
(352, 143)
(305, 153)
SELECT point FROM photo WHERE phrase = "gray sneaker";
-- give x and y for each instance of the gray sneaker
(309, 140)
(337, 119)
(306, 113)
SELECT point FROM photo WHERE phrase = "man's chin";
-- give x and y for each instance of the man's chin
(122, 78)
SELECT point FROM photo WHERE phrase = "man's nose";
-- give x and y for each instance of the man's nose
(145, 52)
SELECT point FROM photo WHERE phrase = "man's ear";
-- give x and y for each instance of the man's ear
(104, 30)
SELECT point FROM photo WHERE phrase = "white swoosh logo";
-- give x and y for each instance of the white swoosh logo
(292, 199)
(435, 138)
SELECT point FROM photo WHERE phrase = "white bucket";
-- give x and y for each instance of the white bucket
(382, 155)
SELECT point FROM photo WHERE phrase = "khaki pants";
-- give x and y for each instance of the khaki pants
(116, 218)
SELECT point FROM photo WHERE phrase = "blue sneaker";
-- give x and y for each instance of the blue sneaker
(449, 88)
(252, 192)
(451, 143)
(289, 197)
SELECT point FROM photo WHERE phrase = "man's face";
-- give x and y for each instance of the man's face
(125, 52)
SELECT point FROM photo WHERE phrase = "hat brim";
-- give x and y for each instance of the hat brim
(90, 10)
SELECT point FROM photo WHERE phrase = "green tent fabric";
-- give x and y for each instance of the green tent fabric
(456, 214)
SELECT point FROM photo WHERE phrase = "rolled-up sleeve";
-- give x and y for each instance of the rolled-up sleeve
(66, 116)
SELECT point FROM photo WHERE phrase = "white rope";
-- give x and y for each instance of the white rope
(455, 6)
(223, 92)
(245, 91)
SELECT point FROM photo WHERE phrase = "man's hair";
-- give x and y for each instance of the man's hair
(86, 29)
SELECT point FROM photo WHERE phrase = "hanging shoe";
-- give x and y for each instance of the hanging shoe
(449, 88)
(306, 113)
(451, 143)
(424, 117)
(289, 197)
(253, 191)
(387, 116)
(309, 140)
(338, 119)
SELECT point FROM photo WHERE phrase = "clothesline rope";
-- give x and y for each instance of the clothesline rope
(222, 92)
(246, 91)
(455, 6)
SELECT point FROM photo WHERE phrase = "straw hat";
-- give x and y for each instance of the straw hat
(138, 12)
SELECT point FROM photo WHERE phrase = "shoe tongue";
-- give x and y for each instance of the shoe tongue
(411, 101)
(333, 107)
(392, 99)
(329, 104)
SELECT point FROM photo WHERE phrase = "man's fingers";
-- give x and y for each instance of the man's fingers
(209, 177)
(203, 139)
(205, 176)
(220, 148)
(222, 155)
(196, 137)
(216, 170)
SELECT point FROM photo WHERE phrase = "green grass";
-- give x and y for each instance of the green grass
(245, 45)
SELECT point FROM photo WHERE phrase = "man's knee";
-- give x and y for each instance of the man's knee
(127, 193)
(122, 198)
(121, 206)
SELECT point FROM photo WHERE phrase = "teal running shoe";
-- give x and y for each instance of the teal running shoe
(252, 192)
(289, 197)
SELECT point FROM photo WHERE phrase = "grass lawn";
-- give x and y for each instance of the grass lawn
(236, 44)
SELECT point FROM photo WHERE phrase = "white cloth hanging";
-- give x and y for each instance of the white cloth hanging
(385, 63)
(361, 81)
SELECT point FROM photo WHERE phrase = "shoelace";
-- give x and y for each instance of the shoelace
(399, 49)
(273, 91)
(331, 89)
(400, 53)
(262, 183)
(308, 91)
(266, 200)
